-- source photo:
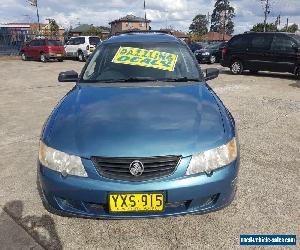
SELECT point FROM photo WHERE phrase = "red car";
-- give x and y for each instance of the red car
(43, 50)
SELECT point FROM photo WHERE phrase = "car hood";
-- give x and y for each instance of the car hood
(136, 121)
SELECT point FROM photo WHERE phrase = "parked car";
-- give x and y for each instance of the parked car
(81, 47)
(277, 52)
(211, 53)
(195, 46)
(141, 134)
(43, 49)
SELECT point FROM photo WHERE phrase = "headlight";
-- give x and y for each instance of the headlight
(212, 159)
(205, 54)
(60, 161)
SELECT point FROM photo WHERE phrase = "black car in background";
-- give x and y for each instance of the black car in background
(210, 53)
(195, 46)
(277, 52)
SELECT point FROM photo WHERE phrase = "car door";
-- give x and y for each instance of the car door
(258, 53)
(70, 47)
(31, 49)
(284, 53)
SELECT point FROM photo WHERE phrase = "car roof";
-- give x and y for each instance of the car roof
(143, 37)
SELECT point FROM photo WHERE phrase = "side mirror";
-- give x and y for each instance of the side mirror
(68, 76)
(211, 73)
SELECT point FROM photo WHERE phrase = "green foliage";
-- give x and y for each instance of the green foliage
(199, 25)
(222, 17)
(53, 28)
(95, 31)
(270, 27)
(292, 28)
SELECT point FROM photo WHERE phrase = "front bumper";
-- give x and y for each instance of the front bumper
(88, 197)
(203, 59)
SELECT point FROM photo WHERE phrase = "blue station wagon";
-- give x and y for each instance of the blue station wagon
(141, 134)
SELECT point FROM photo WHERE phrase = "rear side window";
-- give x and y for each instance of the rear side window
(79, 40)
(261, 42)
(239, 42)
(283, 44)
(94, 40)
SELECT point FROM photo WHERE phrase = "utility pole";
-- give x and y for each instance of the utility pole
(287, 24)
(266, 12)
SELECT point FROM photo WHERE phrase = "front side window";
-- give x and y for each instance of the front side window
(141, 61)
(239, 42)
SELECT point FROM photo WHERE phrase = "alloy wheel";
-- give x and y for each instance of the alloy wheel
(236, 67)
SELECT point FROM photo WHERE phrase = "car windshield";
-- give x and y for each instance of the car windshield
(54, 43)
(136, 62)
(94, 40)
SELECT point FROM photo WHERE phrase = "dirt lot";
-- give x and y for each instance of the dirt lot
(267, 111)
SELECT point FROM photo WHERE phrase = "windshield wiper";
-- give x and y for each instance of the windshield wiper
(181, 79)
(131, 79)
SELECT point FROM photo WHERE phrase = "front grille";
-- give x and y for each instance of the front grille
(118, 168)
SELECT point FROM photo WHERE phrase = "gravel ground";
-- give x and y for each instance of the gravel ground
(267, 112)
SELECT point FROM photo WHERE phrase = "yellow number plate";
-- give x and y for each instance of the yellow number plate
(59, 54)
(136, 202)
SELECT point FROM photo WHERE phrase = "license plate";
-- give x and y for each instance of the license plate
(58, 54)
(136, 202)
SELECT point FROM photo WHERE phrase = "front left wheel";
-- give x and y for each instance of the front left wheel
(212, 59)
(23, 56)
(236, 67)
(43, 58)
(297, 73)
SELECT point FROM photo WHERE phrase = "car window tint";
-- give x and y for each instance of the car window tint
(81, 40)
(42, 43)
(283, 44)
(261, 42)
(239, 42)
(94, 40)
(34, 43)
(71, 41)
(54, 43)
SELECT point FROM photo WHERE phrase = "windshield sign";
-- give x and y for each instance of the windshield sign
(146, 58)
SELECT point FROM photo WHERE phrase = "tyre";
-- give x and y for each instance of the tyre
(23, 56)
(297, 73)
(212, 59)
(60, 60)
(43, 58)
(80, 56)
(236, 67)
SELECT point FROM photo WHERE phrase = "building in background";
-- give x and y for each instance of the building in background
(129, 22)
(216, 37)
(90, 30)
(179, 34)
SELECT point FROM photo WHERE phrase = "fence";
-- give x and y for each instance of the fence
(11, 41)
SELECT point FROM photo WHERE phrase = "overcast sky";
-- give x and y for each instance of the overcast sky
(177, 13)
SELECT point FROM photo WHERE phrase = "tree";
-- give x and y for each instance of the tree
(292, 28)
(199, 25)
(222, 17)
(53, 28)
(270, 27)
(95, 31)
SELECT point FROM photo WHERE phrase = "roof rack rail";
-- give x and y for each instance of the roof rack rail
(143, 31)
